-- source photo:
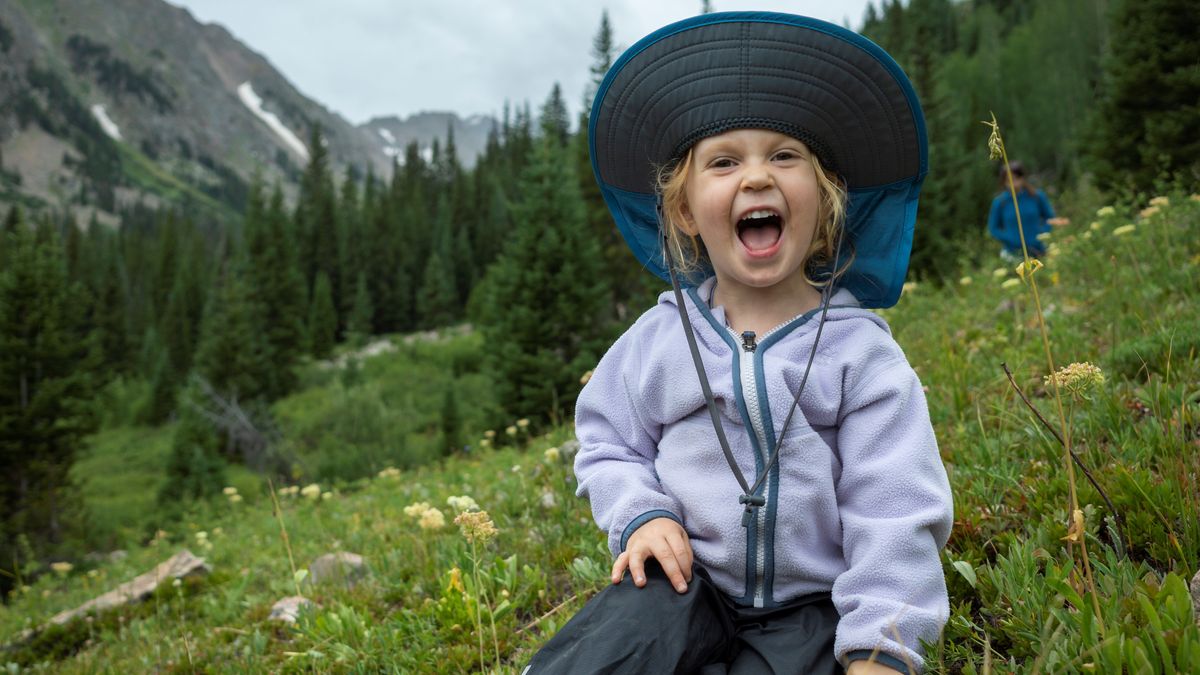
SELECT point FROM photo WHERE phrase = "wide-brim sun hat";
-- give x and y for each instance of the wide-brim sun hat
(831, 88)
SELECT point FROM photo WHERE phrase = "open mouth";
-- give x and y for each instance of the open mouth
(760, 230)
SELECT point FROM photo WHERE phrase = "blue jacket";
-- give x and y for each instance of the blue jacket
(858, 505)
(1035, 211)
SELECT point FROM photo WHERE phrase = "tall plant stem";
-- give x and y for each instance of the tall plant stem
(287, 545)
(1062, 416)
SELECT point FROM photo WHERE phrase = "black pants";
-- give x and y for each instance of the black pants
(655, 630)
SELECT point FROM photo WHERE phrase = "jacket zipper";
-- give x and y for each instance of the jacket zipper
(753, 407)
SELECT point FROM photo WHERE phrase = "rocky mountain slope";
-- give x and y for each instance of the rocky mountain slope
(107, 103)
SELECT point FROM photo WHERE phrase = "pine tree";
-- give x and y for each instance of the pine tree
(232, 353)
(437, 300)
(322, 319)
(275, 286)
(555, 124)
(545, 294)
(360, 316)
(316, 218)
(45, 405)
(451, 422)
(195, 469)
(1148, 122)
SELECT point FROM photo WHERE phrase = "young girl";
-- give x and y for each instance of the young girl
(1037, 216)
(756, 446)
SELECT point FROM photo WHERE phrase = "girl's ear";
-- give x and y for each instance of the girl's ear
(689, 224)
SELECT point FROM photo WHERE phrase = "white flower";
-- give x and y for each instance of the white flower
(552, 454)
(1106, 211)
(462, 503)
(311, 491)
(230, 491)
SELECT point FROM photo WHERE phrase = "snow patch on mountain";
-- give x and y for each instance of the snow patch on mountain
(106, 123)
(254, 102)
(387, 136)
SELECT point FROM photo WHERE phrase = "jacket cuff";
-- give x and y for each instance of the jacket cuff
(879, 657)
(642, 520)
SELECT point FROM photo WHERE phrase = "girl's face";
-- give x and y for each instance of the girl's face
(753, 199)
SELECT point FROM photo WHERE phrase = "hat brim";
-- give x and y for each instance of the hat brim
(830, 87)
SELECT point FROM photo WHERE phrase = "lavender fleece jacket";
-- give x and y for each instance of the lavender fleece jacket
(858, 505)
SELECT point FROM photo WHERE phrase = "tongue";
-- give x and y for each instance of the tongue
(760, 238)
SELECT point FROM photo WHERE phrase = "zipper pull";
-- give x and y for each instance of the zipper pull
(748, 341)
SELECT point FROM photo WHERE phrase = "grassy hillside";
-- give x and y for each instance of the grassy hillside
(1119, 290)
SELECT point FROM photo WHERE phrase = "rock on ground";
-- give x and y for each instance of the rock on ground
(343, 567)
(288, 609)
(178, 566)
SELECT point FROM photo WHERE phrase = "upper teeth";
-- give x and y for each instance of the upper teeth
(761, 213)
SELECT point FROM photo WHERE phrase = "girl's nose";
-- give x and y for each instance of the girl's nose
(757, 178)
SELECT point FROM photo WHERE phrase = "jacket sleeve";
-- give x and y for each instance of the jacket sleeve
(995, 221)
(896, 510)
(617, 448)
(1044, 207)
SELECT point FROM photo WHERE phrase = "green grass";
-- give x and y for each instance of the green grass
(1017, 605)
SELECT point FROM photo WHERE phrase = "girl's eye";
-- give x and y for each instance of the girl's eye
(721, 163)
(785, 155)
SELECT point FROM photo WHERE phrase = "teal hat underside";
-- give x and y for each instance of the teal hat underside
(830, 87)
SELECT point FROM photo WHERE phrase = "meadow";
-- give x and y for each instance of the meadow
(1040, 580)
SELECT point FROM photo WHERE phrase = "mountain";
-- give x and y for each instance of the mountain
(470, 134)
(105, 103)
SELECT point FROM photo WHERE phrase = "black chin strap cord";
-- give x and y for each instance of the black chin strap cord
(749, 498)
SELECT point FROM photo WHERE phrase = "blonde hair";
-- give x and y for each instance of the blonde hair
(686, 250)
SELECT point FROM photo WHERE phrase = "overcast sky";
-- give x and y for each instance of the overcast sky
(367, 58)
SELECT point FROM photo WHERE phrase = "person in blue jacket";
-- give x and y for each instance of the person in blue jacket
(1037, 216)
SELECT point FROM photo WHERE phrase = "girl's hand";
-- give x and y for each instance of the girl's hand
(664, 540)
(869, 668)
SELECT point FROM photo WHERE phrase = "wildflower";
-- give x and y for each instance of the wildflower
(995, 143)
(1106, 211)
(234, 499)
(1077, 379)
(476, 526)
(1009, 283)
(311, 491)
(1032, 266)
(217, 531)
(61, 568)
(456, 583)
(416, 510)
(326, 496)
(1124, 230)
(490, 433)
(909, 287)
(1095, 225)
(585, 377)
(523, 423)
(552, 454)
(1160, 201)
(549, 500)
(965, 281)
(432, 520)
(93, 573)
(1045, 236)
(1087, 235)
(1075, 530)
(230, 491)
(390, 472)
(201, 536)
(516, 468)
(1195, 197)
(485, 443)
(999, 273)
(462, 503)
(1052, 251)
(1148, 211)
(511, 431)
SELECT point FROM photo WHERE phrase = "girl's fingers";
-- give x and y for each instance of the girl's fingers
(683, 554)
(619, 566)
(666, 558)
(637, 568)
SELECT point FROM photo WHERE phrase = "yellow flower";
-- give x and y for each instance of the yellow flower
(1148, 211)
(552, 454)
(1045, 236)
(462, 503)
(456, 583)
(1034, 266)
(965, 281)
(1075, 531)
(432, 520)
(311, 491)
(1009, 283)
(1195, 197)
(511, 431)
(476, 526)
(1077, 379)
(490, 433)
(999, 273)
(909, 287)
(326, 496)
(234, 499)
(61, 568)
(1123, 230)
(230, 491)
(201, 536)
(995, 143)
(1160, 201)
(390, 472)
(585, 377)
(1106, 211)
(1095, 225)
(522, 423)
(485, 443)
(416, 510)
(1087, 235)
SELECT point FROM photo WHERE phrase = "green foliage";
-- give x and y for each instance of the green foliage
(116, 75)
(195, 469)
(360, 317)
(45, 404)
(322, 319)
(545, 296)
(1148, 122)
